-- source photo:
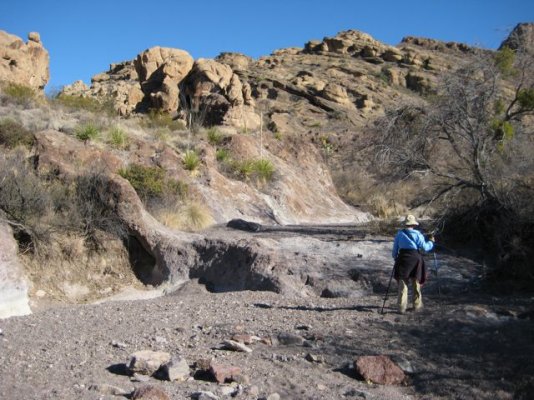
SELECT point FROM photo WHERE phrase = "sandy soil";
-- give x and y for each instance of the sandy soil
(465, 344)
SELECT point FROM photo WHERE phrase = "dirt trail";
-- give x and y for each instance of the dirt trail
(465, 344)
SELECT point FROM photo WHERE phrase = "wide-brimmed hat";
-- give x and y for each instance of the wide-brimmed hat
(410, 221)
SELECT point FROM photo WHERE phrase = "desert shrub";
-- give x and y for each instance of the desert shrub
(86, 103)
(214, 136)
(117, 137)
(222, 154)
(191, 160)
(260, 170)
(13, 134)
(19, 94)
(24, 199)
(158, 119)
(195, 216)
(242, 169)
(152, 185)
(189, 216)
(86, 132)
(264, 169)
(94, 209)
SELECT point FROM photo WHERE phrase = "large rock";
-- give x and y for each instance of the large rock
(217, 93)
(23, 63)
(13, 284)
(379, 369)
(147, 362)
(160, 71)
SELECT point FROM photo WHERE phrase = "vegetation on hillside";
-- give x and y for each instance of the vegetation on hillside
(474, 140)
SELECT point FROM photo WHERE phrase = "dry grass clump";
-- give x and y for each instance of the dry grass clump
(117, 138)
(13, 134)
(189, 216)
(383, 207)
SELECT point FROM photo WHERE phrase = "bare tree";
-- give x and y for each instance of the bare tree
(462, 134)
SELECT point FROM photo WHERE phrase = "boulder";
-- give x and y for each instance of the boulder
(337, 94)
(217, 92)
(24, 63)
(147, 362)
(149, 392)
(13, 284)
(160, 70)
(175, 370)
(237, 61)
(379, 369)
(224, 373)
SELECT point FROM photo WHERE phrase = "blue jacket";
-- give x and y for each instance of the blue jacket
(410, 239)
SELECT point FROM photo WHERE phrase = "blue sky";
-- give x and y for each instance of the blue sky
(84, 37)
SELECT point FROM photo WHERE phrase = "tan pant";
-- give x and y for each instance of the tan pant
(403, 295)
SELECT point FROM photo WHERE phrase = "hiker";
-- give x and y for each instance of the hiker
(409, 263)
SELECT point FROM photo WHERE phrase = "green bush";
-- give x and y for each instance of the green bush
(118, 138)
(260, 169)
(86, 103)
(13, 134)
(222, 154)
(191, 160)
(20, 94)
(264, 170)
(150, 183)
(243, 168)
(159, 119)
(147, 181)
(87, 132)
(214, 136)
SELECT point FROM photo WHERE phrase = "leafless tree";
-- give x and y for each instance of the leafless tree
(464, 133)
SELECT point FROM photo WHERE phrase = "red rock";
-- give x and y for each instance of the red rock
(379, 369)
(224, 373)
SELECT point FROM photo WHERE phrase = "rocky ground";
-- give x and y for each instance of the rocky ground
(465, 344)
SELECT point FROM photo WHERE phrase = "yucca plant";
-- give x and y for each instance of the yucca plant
(118, 138)
(191, 160)
(222, 154)
(264, 169)
(87, 132)
(214, 136)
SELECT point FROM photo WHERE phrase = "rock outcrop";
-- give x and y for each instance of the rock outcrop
(521, 38)
(160, 71)
(24, 63)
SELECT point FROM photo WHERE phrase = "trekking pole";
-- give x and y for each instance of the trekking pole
(387, 291)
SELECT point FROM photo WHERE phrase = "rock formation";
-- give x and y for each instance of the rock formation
(24, 63)
(521, 38)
